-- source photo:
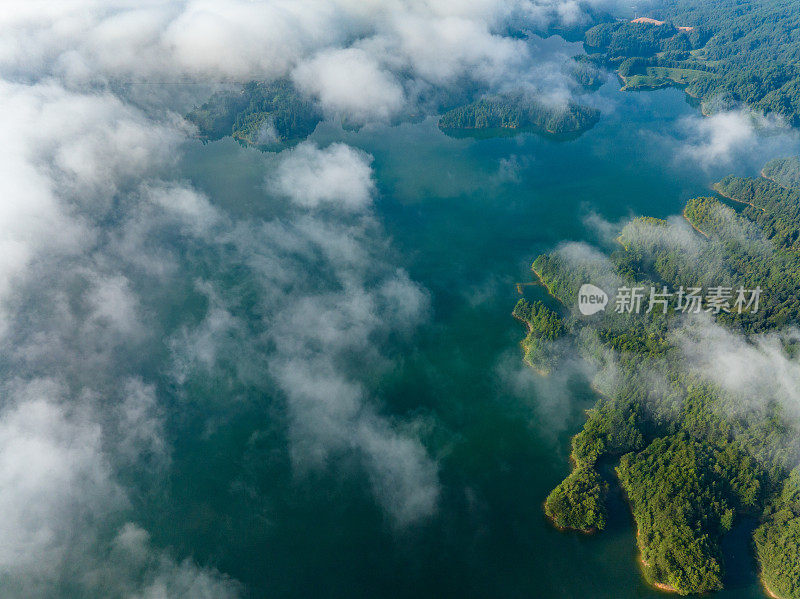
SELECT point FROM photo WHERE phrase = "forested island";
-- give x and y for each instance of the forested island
(722, 52)
(265, 115)
(511, 113)
(692, 456)
(258, 114)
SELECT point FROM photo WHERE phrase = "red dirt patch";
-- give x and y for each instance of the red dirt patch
(656, 22)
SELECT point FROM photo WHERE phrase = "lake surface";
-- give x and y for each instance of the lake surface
(465, 218)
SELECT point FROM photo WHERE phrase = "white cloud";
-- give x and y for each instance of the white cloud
(72, 168)
(113, 305)
(444, 49)
(134, 569)
(338, 175)
(720, 135)
(64, 157)
(190, 208)
(351, 55)
(53, 480)
(403, 476)
(140, 435)
(241, 39)
(114, 271)
(753, 371)
(350, 83)
(728, 135)
(327, 298)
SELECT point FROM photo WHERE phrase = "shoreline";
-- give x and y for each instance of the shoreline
(508, 131)
(546, 286)
(727, 197)
(565, 529)
(767, 590)
(573, 465)
(670, 83)
(665, 588)
(644, 565)
(692, 225)
(540, 371)
(763, 175)
(661, 586)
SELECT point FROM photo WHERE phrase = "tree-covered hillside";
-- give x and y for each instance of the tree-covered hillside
(744, 51)
(258, 114)
(519, 112)
(777, 536)
(693, 455)
(783, 171)
(544, 326)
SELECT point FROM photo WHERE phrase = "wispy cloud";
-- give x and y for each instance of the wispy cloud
(730, 135)
(122, 285)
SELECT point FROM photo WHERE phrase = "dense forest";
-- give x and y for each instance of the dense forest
(685, 494)
(776, 538)
(544, 326)
(692, 456)
(519, 112)
(571, 30)
(266, 114)
(258, 114)
(577, 503)
(783, 171)
(722, 52)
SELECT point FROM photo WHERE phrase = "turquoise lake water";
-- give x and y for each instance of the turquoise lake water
(465, 218)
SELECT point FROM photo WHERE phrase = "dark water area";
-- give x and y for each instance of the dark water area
(465, 219)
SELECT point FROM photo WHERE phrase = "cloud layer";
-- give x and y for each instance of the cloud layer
(360, 61)
(124, 289)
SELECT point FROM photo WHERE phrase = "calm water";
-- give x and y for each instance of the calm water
(465, 219)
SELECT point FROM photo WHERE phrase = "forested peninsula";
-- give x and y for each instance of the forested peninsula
(692, 455)
(724, 53)
(519, 112)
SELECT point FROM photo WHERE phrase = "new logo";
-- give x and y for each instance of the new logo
(591, 299)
